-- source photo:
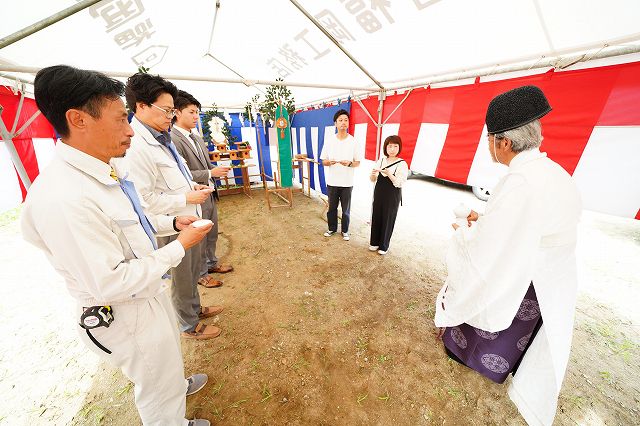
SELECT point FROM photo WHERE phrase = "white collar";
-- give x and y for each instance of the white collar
(142, 131)
(526, 156)
(84, 162)
(184, 132)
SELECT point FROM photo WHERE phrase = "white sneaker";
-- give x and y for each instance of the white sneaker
(382, 252)
(345, 236)
(329, 233)
(373, 248)
(199, 422)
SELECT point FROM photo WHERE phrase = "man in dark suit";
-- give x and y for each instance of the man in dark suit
(194, 150)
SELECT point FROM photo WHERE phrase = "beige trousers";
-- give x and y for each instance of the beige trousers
(145, 344)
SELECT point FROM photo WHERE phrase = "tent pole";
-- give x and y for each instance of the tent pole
(403, 84)
(520, 64)
(208, 54)
(338, 45)
(15, 78)
(44, 23)
(213, 26)
(366, 111)
(15, 158)
(260, 155)
(27, 124)
(381, 97)
(246, 82)
(18, 111)
(398, 106)
(480, 71)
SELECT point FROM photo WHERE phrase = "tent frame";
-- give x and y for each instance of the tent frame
(44, 23)
(8, 136)
(552, 59)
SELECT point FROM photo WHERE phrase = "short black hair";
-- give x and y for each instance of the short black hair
(60, 88)
(147, 88)
(339, 113)
(185, 99)
(393, 139)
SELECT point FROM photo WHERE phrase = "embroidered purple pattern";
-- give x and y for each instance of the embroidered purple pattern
(493, 354)
(522, 343)
(495, 363)
(458, 337)
(486, 334)
(529, 310)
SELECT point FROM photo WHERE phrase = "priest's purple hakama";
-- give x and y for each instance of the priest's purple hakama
(495, 354)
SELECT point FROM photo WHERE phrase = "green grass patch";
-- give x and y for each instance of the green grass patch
(125, 389)
(383, 358)
(10, 216)
(384, 397)
(266, 394)
(411, 306)
(301, 363)
(362, 343)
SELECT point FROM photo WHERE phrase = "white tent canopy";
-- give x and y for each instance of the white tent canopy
(399, 44)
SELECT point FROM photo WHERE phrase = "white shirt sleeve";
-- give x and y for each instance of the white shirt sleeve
(490, 263)
(79, 240)
(401, 172)
(324, 154)
(163, 224)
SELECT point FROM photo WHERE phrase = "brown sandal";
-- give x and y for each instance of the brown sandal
(209, 311)
(208, 282)
(220, 269)
(202, 332)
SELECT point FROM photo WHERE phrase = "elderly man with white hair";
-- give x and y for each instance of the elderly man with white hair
(507, 306)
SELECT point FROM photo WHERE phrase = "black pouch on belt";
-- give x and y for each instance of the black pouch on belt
(94, 317)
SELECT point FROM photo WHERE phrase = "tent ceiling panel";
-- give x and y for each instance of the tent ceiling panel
(269, 39)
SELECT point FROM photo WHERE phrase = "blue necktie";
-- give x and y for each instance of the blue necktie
(165, 140)
(132, 195)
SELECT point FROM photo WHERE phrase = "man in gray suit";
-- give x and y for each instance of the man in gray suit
(194, 150)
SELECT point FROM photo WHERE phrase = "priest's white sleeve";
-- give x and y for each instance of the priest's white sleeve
(490, 264)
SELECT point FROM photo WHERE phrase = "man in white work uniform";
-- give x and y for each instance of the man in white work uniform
(167, 187)
(87, 218)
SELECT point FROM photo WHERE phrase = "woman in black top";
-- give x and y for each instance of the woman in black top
(389, 175)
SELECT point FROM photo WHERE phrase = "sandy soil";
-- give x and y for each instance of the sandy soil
(321, 331)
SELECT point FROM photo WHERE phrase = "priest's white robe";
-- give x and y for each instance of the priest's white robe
(527, 234)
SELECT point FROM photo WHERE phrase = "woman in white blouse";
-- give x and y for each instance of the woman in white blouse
(389, 175)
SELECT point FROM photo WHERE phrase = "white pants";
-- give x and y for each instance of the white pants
(145, 344)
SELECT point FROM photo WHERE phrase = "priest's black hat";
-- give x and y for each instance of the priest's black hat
(516, 108)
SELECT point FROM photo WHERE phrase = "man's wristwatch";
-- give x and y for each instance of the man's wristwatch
(175, 228)
(350, 163)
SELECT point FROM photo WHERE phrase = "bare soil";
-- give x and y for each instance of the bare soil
(320, 331)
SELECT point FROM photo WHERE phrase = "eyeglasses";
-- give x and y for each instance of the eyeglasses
(170, 113)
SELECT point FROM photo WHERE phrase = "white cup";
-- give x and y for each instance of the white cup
(200, 223)
(461, 212)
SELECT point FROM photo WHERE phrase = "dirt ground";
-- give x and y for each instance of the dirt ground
(320, 331)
